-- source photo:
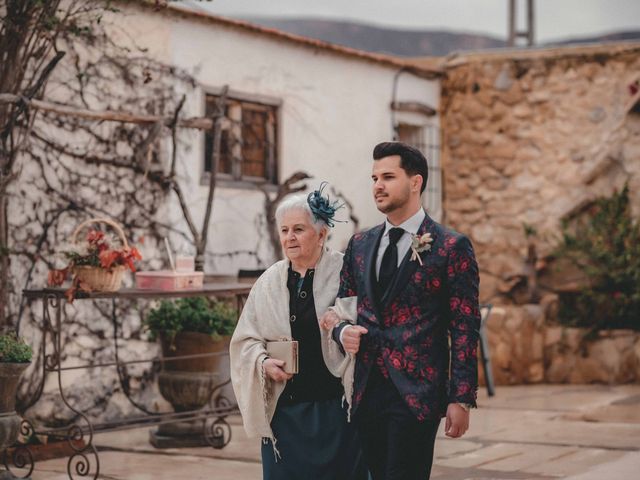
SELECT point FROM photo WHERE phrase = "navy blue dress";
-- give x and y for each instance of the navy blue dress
(310, 424)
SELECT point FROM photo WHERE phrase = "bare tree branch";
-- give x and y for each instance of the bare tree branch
(270, 206)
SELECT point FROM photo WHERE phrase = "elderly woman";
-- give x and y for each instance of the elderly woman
(300, 417)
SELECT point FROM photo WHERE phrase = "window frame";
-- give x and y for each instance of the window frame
(433, 198)
(272, 166)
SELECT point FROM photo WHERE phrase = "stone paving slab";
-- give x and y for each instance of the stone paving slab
(555, 397)
(444, 473)
(579, 461)
(570, 433)
(609, 414)
(240, 448)
(625, 468)
(149, 466)
(524, 433)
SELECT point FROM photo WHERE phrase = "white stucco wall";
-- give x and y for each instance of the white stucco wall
(334, 109)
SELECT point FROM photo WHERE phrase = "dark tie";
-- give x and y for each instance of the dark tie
(389, 263)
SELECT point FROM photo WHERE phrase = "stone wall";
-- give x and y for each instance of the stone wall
(530, 138)
(525, 348)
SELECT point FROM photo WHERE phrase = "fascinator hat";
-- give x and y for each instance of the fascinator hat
(321, 207)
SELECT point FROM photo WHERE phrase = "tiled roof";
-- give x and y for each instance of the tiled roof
(171, 8)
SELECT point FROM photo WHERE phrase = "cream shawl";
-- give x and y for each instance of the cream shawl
(265, 317)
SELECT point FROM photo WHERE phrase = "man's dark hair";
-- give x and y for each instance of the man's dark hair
(412, 160)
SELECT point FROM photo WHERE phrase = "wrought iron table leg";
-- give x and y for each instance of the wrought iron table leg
(79, 461)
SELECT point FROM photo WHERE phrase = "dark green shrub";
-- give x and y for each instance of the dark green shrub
(605, 247)
(195, 314)
(14, 349)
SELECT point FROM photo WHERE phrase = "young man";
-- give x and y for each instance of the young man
(416, 284)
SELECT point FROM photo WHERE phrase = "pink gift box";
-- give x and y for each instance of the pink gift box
(168, 280)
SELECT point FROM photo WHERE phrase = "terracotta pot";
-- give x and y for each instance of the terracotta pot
(9, 376)
(192, 343)
(188, 383)
(9, 420)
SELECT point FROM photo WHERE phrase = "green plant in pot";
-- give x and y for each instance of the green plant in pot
(15, 357)
(191, 326)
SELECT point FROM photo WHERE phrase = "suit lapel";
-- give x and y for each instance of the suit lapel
(408, 267)
(370, 266)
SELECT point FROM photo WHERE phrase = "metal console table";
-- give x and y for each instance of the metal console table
(80, 434)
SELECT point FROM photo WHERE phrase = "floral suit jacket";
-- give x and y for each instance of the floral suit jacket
(410, 327)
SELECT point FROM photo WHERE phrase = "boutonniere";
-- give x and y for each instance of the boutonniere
(419, 244)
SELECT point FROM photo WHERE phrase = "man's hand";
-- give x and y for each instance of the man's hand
(457, 422)
(329, 320)
(351, 338)
(273, 369)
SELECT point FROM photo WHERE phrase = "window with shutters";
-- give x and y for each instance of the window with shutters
(248, 144)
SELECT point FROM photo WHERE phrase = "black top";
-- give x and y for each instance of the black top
(314, 382)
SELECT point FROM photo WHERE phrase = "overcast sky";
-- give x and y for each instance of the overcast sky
(555, 19)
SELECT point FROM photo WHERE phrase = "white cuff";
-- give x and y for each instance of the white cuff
(342, 333)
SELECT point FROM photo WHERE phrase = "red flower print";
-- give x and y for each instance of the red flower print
(463, 389)
(412, 401)
(454, 303)
(410, 352)
(463, 266)
(402, 316)
(465, 307)
(429, 373)
(396, 360)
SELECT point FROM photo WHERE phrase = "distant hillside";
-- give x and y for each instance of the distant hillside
(406, 43)
(609, 37)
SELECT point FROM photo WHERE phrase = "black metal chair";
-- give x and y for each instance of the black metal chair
(485, 312)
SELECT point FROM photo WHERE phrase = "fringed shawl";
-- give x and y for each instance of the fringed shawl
(265, 317)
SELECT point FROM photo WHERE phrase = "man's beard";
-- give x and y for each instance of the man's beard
(395, 204)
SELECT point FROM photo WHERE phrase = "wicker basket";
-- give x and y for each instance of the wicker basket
(97, 278)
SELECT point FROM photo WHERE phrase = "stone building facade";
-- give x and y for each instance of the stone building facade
(530, 138)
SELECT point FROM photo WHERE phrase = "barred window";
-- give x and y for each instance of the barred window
(248, 146)
(426, 138)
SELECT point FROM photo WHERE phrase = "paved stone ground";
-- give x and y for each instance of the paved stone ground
(526, 432)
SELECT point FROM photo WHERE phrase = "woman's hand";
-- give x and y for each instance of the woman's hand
(273, 369)
(329, 320)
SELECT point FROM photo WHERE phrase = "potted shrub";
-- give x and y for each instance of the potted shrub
(189, 326)
(15, 357)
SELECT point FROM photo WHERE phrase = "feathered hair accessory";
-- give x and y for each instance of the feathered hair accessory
(321, 207)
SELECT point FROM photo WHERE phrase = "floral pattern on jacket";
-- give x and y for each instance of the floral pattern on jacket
(409, 329)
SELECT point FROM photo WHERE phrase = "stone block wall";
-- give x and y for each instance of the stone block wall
(525, 348)
(530, 138)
